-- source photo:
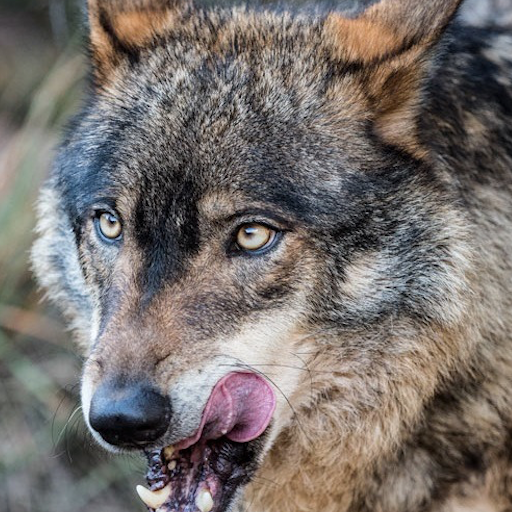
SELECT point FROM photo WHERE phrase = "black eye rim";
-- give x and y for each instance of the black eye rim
(236, 250)
(96, 219)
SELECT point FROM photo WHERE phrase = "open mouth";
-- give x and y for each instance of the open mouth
(202, 473)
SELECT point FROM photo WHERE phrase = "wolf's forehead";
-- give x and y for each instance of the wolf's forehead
(224, 96)
(242, 107)
(213, 134)
(226, 71)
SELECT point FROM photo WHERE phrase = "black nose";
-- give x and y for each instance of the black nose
(129, 414)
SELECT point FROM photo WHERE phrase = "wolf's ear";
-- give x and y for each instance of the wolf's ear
(121, 27)
(391, 45)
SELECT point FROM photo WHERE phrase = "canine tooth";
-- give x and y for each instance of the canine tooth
(172, 465)
(204, 501)
(168, 452)
(153, 499)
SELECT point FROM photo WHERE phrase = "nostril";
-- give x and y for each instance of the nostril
(133, 414)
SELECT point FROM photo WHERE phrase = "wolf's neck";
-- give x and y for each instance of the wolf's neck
(301, 475)
(324, 461)
(390, 453)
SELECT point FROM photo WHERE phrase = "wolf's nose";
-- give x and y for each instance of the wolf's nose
(129, 414)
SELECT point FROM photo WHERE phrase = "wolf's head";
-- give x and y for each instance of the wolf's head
(244, 222)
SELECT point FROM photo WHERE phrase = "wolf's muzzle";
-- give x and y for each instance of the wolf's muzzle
(129, 414)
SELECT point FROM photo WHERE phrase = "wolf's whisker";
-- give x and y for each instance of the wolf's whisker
(265, 480)
(277, 366)
(305, 364)
(54, 418)
(70, 419)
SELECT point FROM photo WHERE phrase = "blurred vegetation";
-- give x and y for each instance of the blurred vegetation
(48, 463)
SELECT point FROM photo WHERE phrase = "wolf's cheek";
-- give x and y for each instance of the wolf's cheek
(56, 265)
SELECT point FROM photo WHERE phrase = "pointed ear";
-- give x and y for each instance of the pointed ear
(121, 27)
(391, 46)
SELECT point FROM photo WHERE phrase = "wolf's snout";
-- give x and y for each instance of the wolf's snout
(129, 414)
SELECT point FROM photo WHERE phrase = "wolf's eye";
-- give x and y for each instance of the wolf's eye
(109, 226)
(255, 237)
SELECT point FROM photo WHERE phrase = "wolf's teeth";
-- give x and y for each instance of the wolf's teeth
(153, 499)
(204, 501)
(172, 465)
(168, 452)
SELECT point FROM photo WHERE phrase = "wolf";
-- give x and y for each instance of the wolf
(282, 237)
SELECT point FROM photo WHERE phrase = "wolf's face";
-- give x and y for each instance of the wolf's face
(242, 199)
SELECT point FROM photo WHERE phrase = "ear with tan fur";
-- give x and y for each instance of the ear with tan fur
(121, 27)
(391, 43)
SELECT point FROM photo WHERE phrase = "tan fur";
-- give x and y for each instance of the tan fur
(333, 442)
(131, 24)
(139, 28)
(470, 505)
(362, 39)
(393, 90)
(386, 28)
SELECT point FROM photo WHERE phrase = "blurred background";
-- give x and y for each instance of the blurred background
(48, 462)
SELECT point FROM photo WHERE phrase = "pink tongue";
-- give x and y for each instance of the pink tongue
(240, 407)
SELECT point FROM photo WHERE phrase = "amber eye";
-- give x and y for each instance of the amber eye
(109, 226)
(255, 237)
